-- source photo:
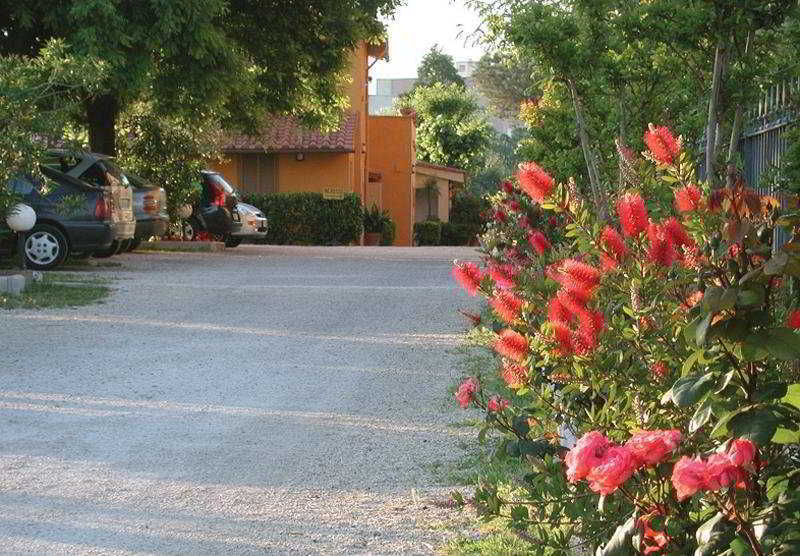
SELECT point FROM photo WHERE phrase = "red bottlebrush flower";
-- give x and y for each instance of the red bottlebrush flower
(661, 250)
(651, 447)
(503, 274)
(535, 181)
(794, 319)
(614, 243)
(511, 344)
(583, 343)
(556, 312)
(500, 216)
(734, 250)
(581, 272)
(677, 233)
(662, 144)
(692, 257)
(508, 187)
(538, 241)
(688, 477)
(688, 199)
(496, 404)
(506, 305)
(616, 467)
(514, 205)
(574, 300)
(741, 452)
(466, 392)
(469, 276)
(563, 336)
(659, 369)
(693, 300)
(515, 375)
(588, 452)
(524, 222)
(632, 214)
(607, 263)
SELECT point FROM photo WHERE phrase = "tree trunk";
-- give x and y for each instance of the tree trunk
(101, 113)
(738, 122)
(713, 108)
(591, 166)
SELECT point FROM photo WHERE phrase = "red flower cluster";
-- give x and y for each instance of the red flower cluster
(469, 276)
(538, 241)
(506, 305)
(662, 144)
(606, 466)
(615, 247)
(720, 470)
(688, 199)
(632, 214)
(666, 241)
(511, 344)
(794, 319)
(500, 216)
(496, 404)
(535, 181)
(652, 540)
(466, 392)
(503, 274)
(659, 369)
(508, 187)
(578, 281)
(514, 374)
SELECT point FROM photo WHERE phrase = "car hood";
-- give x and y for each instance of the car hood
(244, 208)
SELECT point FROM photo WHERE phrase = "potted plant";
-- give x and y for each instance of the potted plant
(375, 220)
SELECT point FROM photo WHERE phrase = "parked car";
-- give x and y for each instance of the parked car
(71, 216)
(101, 171)
(252, 225)
(214, 214)
(149, 209)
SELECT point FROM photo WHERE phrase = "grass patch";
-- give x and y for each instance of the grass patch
(54, 292)
(179, 247)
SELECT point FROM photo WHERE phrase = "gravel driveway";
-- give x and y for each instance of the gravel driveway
(276, 400)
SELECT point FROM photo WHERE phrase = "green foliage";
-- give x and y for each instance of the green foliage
(468, 208)
(437, 67)
(37, 99)
(507, 79)
(388, 232)
(210, 58)
(428, 232)
(458, 234)
(450, 129)
(309, 218)
(375, 219)
(168, 151)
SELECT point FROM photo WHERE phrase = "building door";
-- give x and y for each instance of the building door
(258, 172)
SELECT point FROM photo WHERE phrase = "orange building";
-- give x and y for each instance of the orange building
(372, 156)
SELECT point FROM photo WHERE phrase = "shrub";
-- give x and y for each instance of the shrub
(388, 232)
(309, 218)
(458, 234)
(468, 208)
(428, 232)
(665, 342)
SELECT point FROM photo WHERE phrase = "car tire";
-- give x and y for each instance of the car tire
(189, 229)
(112, 250)
(46, 247)
(232, 241)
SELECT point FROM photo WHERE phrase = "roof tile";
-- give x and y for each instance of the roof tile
(285, 134)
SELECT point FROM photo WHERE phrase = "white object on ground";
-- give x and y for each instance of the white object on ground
(21, 218)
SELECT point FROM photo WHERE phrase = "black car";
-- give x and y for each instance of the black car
(100, 170)
(149, 209)
(214, 214)
(71, 216)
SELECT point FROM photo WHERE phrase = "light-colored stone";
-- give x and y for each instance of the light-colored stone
(13, 284)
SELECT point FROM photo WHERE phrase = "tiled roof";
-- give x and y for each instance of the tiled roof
(439, 167)
(284, 134)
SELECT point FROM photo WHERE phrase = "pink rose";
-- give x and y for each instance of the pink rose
(651, 447)
(617, 467)
(720, 472)
(466, 392)
(496, 403)
(587, 453)
(741, 452)
(688, 476)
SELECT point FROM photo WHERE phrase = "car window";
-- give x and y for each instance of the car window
(218, 180)
(21, 186)
(114, 172)
(61, 162)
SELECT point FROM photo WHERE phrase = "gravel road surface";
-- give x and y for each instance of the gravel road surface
(276, 400)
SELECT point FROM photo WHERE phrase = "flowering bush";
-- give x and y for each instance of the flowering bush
(651, 362)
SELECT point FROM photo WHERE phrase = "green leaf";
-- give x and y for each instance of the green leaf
(689, 363)
(770, 391)
(792, 396)
(786, 436)
(712, 535)
(690, 332)
(712, 298)
(750, 275)
(688, 389)
(776, 264)
(781, 343)
(750, 298)
(619, 543)
(701, 416)
(759, 425)
(728, 299)
(702, 330)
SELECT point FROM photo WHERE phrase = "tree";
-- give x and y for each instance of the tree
(450, 128)
(235, 59)
(437, 67)
(507, 80)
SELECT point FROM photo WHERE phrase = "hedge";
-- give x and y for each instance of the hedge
(428, 232)
(459, 234)
(309, 218)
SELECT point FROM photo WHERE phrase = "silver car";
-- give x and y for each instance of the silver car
(249, 223)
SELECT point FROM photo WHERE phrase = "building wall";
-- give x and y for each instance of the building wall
(316, 172)
(440, 204)
(392, 152)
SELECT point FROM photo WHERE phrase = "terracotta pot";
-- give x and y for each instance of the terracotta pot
(372, 238)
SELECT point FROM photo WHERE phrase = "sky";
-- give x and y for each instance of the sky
(420, 24)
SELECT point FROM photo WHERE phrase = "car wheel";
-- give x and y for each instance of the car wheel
(190, 229)
(109, 252)
(232, 241)
(45, 247)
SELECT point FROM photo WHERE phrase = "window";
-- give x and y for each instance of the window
(257, 173)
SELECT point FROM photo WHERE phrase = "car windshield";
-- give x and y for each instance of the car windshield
(218, 180)
(114, 171)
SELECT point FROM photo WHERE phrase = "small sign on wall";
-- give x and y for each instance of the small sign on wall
(333, 193)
